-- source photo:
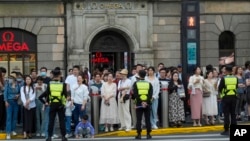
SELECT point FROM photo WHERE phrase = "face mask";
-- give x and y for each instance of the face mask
(19, 79)
(10, 81)
(43, 73)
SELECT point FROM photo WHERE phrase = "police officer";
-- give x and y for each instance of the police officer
(56, 96)
(227, 89)
(143, 91)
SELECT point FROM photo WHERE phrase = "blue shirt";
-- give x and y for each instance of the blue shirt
(11, 93)
(84, 126)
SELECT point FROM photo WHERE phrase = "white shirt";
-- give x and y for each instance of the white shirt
(71, 80)
(29, 94)
(79, 93)
(156, 86)
(68, 108)
(125, 83)
(192, 79)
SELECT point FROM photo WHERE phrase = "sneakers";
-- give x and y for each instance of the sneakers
(14, 133)
(226, 133)
(128, 130)
(111, 128)
(43, 135)
(8, 137)
(154, 127)
(38, 134)
(68, 135)
(54, 136)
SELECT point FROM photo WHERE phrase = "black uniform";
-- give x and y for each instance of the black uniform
(57, 106)
(139, 99)
(227, 90)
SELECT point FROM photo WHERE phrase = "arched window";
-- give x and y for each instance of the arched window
(226, 48)
(18, 50)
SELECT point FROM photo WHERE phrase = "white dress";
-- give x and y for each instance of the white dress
(109, 114)
(209, 104)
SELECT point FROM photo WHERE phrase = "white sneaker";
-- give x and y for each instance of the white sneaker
(154, 127)
(127, 130)
(111, 128)
(14, 133)
(8, 137)
(38, 134)
(54, 136)
(43, 135)
(68, 135)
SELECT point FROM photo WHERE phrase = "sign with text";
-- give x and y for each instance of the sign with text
(191, 50)
(16, 40)
(239, 132)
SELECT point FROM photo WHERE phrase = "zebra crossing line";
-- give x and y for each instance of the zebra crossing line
(183, 137)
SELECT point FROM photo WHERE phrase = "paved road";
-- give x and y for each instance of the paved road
(189, 137)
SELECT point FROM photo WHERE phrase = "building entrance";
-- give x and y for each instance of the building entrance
(110, 50)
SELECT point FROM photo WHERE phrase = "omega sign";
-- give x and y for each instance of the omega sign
(15, 40)
(99, 58)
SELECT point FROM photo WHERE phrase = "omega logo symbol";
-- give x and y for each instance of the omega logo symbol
(8, 43)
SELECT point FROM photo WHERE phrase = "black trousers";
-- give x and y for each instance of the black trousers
(29, 118)
(57, 108)
(139, 113)
(240, 103)
(159, 111)
(229, 106)
(2, 113)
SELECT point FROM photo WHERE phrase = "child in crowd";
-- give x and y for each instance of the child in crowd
(84, 128)
(68, 113)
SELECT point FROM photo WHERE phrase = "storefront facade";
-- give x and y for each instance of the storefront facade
(118, 34)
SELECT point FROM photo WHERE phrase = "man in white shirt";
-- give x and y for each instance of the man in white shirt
(72, 79)
(134, 79)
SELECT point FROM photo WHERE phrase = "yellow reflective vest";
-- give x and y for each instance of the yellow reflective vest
(56, 89)
(143, 88)
(230, 86)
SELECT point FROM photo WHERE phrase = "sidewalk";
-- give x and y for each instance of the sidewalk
(187, 129)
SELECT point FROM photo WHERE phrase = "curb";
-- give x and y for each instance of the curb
(161, 131)
(165, 131)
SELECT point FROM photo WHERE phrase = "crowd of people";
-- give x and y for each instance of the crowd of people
(34, 100)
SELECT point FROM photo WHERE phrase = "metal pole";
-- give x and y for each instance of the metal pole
(164, 104)
(95, 111)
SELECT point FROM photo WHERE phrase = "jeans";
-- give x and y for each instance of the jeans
(68, 124)
(39, 116)
(153, 114)
(11, 120)
(220, 108)
(45, 122)
(78, 113)
(85, 132)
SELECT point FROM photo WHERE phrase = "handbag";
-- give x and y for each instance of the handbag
(181, 92)
(206, 93)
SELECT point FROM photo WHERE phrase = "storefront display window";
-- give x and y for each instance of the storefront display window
(17, 50)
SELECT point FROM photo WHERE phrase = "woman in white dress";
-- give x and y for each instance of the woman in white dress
(209, 105)
(109, 112)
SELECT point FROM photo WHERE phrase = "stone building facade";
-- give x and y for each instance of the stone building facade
(122, 33)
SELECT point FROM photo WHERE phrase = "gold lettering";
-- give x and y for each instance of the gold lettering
(111, 6)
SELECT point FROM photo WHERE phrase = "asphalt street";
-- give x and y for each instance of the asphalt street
(183, 137)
